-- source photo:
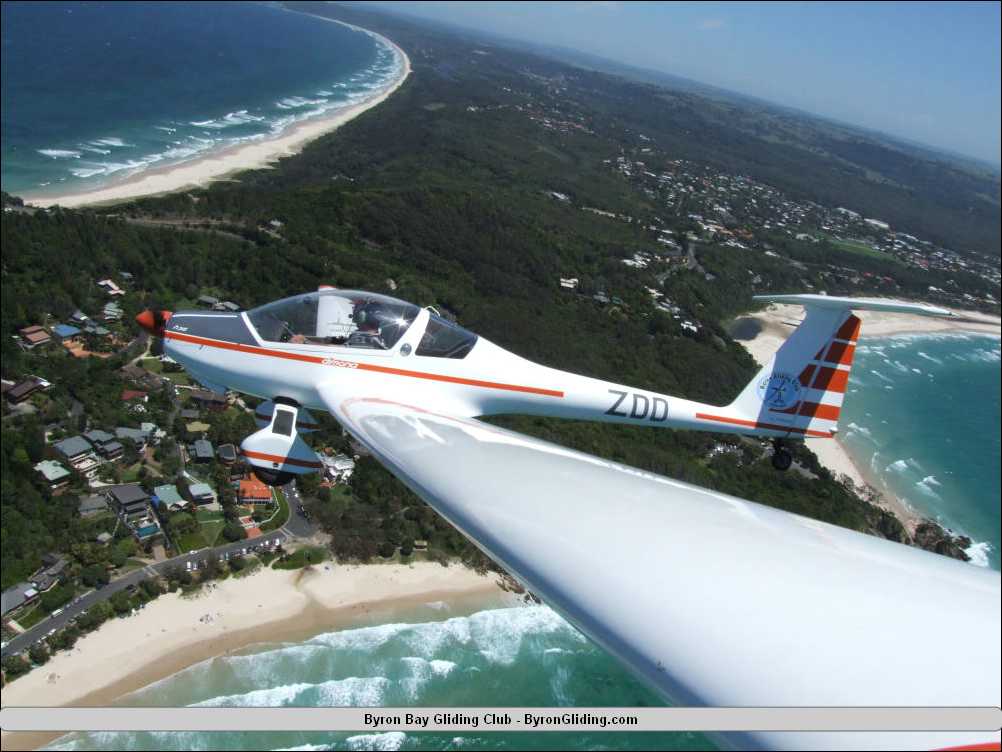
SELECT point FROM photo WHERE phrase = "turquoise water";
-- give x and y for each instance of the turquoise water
(922, 416)
(96, 92)
(495, 657)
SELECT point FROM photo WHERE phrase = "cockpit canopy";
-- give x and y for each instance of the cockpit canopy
(335, 317)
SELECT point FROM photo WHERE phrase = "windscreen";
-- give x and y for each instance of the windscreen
(443, 339)
(347, 318)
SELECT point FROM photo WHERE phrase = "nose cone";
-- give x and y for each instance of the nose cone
(153, 321)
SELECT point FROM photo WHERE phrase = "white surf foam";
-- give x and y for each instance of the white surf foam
(391, 740)
(293, 103)
(110, 141)
(60, 153)
(979, 553)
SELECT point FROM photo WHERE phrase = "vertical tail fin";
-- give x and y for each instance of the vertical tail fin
(800, 390)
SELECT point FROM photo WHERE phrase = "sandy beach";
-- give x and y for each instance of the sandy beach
(778, 322)
(266, 606)
(223, 164)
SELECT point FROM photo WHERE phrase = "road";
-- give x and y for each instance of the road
(82, 603)
(299, 524)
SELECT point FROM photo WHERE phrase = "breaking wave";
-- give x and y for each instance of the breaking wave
(60, 153)
(979, 553)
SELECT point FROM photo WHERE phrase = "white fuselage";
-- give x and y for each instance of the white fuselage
(487, 381)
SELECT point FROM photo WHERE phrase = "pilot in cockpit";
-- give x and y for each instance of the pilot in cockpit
(367, 319)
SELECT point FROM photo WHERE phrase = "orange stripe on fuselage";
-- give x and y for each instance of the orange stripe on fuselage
(279, 459)
(765, 426)
(255, 350)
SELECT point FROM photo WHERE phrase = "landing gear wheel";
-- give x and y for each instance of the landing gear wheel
(781, 458)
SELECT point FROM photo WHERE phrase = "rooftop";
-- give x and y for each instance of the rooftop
(65, 330)
(198, 490)
(129, 494)
(74, 446)
(203, 449)
(168, 494)
(93, 504)
(52, 470)
(13, 597)
(97, 436)
(252, 488)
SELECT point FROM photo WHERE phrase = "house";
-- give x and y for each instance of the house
(168, 496)
(226, 453)
(136, 435)
(110, 287)
(33, 336)
(133, 395)
(112, 312)
(112, 450)
(135, 511)
(106, 444)
(65, 332)
(208, 301)
(15, 597)
(55, 474)
(338, 468)
(189, 414)
(130, 499)
(52, 572)
(253, 491)
(76, 449)
(201, 493)
(104, 538)
(96, 329)
(209, 400)
(153, 434)
(93, 505)
(79, 317)
(201, 451)
(23, 390)
(229, 305)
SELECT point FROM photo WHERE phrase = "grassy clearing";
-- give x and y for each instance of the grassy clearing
(281, 516)
(303, 557)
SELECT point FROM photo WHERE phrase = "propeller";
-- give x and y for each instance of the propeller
(154, 321)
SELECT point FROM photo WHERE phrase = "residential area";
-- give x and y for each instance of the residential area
(145, 467)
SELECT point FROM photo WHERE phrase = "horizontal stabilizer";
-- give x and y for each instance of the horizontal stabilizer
(278, 447)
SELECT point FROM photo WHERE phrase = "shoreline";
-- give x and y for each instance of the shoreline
(223, 164)
(778, 321)
(237, 614)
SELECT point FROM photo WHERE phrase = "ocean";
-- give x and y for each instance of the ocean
(494, 657)
(97, 92)
(921, 419)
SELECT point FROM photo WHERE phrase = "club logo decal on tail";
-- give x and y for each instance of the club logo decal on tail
(779, 391)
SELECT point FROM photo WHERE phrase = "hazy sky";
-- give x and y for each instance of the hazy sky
(925, 71)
